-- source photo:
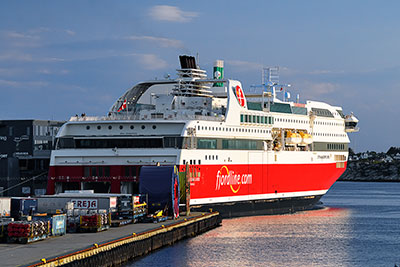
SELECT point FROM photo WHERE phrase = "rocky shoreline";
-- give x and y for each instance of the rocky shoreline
(372, 167)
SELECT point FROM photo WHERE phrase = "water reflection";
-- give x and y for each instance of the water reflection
(359, 227)
(319, 236)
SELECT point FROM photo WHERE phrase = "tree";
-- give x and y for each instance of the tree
(393, 150)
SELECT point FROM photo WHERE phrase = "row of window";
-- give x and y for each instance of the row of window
(165, 142)
(96, 171)
(329, 134)
(207, 143)
(42, 145)
(43, 130)
(340, 165)
(37, 130)
(192, 162)
(121, 127)
(322, 112)
(340, 157)
(239, 130)
(239, 144)
(170, 142)
(246, 118)
(328, 123)
(335, 146)
(119, 143)
(304, 122)
(291, 120)
(207, 157)
(104, 171)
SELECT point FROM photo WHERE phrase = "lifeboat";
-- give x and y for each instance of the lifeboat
(292, 138)
(306, 138)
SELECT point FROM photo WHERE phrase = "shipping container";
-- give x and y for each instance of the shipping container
(58, 223)
(161, 184)
(21, 206)
(119, 205)
(56, 203)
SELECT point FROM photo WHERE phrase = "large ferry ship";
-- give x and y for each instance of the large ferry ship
(247, 153)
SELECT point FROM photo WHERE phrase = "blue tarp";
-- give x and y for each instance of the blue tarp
(161, 184)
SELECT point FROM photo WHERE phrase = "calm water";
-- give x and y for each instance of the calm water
(358, 227)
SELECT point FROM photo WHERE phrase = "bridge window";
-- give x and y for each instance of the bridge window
(207, 143)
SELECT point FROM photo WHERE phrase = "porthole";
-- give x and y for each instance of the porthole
(154, 127)
(132, 127)
(121, 127)
(88, 127)
(98, 127)
(109, 127)
(143, 127)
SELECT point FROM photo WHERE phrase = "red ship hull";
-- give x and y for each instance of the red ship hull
(282, 186)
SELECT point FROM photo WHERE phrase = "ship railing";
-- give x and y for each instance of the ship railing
(144, 117)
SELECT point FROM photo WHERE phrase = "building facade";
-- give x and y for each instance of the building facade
(25, 147)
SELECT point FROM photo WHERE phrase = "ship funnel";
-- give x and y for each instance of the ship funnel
(218, 72)
(188, 62)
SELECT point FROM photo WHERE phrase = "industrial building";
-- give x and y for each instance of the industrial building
(25, 147)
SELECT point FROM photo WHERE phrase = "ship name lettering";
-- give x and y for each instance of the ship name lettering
(231, 178)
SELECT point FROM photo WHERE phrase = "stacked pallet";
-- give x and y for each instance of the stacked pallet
(95, 222)
(25, 232)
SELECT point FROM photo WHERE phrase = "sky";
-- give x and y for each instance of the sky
(61, 58)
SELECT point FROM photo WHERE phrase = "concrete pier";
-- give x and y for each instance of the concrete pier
(112, 247)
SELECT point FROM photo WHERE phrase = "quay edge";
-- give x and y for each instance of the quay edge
(122, 250)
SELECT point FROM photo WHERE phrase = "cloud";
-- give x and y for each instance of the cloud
(51, 59)
(245, 65)
(151, 61)
(20, 35)
(56, 72)
(15, 56)
(163, 42)
(69, 32)
(39, 30)
(24, 85)
(290, 71)
(318, 89)
(171, 13)
(10, 71)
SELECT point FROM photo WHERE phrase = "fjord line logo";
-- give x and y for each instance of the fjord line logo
(231, 179)
(240, 96)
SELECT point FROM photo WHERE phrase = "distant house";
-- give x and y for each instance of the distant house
(365, 155)
(388, 159)
(354, 158)
(397, 156)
